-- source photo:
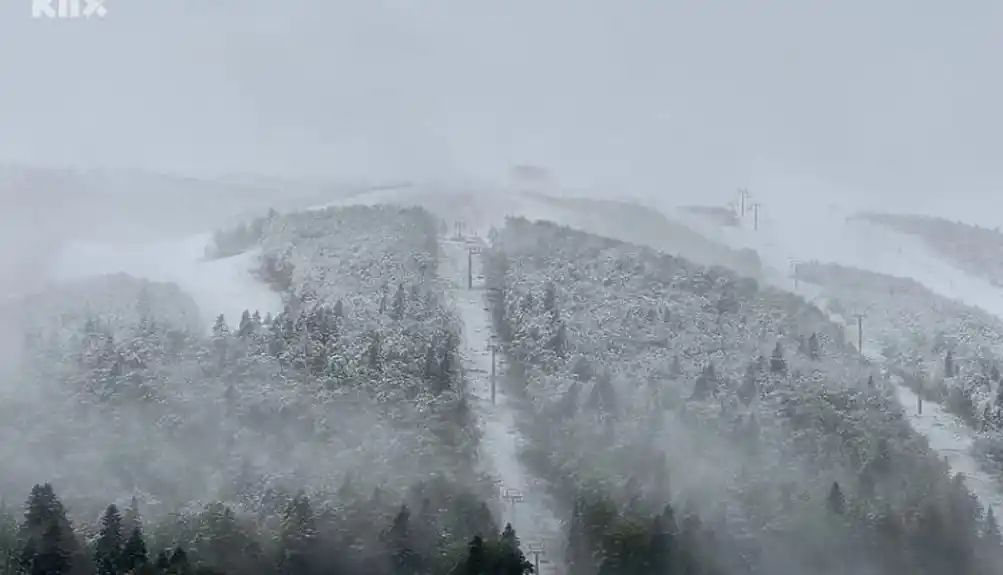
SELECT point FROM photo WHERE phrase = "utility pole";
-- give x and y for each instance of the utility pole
(755, 212)
(860, 332)
(744, 194)
(794, 273)
(513, 496)
(470, 268)
(537, 549)
(494, 350)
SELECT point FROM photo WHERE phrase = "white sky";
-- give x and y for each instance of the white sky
(889, 99)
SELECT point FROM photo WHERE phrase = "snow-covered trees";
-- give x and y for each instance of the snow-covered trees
(297, 399)
(809, 417)
(944, 350)
(971, 248)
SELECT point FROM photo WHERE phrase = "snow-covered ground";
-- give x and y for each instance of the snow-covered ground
(532, 518)
(221, 286)
(478, 205)
(952, 440)
(831, 237)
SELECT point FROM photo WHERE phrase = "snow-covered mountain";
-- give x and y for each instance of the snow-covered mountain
(834, 236)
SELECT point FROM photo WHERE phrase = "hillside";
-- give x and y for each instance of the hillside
(357, 374)
(944, 350)
(634, 384)
(283, 424)
(971, 248)
(643, 357)
(116, 300)
(637, 223)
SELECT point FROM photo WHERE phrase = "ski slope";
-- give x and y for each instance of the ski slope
(220, 286)
(804, 233)
(532, 517)
(833, 237)
(478, 205)
(952, 440)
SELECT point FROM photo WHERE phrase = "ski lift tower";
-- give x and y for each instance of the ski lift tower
(514, 497)
(537, 548)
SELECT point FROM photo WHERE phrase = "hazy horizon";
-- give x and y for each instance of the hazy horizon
(891, 101)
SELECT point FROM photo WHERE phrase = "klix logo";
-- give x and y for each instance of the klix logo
(68, 9)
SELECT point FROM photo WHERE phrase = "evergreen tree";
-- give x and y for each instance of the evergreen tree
(246, 326)
(163, 562)
(660, 552)
(550, 300)
(511, 560)
(446, 365)
(298, 538)
(991, 529)
(777, 362)
(431, 364)
(398, 312)
(813, 347)
(403, 559)
(676, 370)
(109, 545)
(179, 564)
(749, 388)
(836, 502)
(46, 543)
(52, 556)
(131, 519)
(476, 562)
(134, 554)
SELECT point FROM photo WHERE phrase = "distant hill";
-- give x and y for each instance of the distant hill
(42, 208)
(640, 224)
(118, 301)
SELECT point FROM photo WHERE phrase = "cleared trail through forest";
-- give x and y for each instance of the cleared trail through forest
(523, 497)
(948, 436)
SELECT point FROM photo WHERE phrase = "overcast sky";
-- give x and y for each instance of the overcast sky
(887, 98)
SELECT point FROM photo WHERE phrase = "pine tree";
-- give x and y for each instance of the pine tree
(777, 362)
(398, 313)
(134, 554)
(749, 388)
(298, 538)
(178, 564)
(550, 300)
(476, 562)
(46, 541)
(991, 529)
(163, 562)
(813, 348)
(131, 519)
(220, 337)
(374, 351)
(246, 326)
(431, 364)
(446, 365)
(403, 559)
(52, 557)
(110, 542)
(511, 560)
(836, 502)
(661, 552)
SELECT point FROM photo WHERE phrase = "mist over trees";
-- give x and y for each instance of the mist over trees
(682, 418)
